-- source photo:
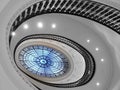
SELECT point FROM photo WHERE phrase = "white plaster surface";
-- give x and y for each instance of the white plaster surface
(6, 83)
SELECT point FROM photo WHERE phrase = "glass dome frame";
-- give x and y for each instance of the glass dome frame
(89, 61)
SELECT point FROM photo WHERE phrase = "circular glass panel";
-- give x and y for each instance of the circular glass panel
(44, 61)
(54, 60)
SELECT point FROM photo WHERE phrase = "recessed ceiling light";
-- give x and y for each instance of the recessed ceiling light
(25, 26)
(53, 25)
(13, 33)
(40, 25)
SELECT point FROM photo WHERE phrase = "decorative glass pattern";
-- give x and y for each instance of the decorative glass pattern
(44, 61)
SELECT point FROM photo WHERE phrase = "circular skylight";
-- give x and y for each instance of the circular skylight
(54, 60)
(43, 60)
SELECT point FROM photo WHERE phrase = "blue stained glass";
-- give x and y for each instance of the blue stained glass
(44, 61)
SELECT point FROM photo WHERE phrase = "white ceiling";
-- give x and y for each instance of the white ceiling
(4, 80)
(3, 76)
(3, 3)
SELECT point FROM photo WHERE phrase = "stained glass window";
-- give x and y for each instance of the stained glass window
(44, 61)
